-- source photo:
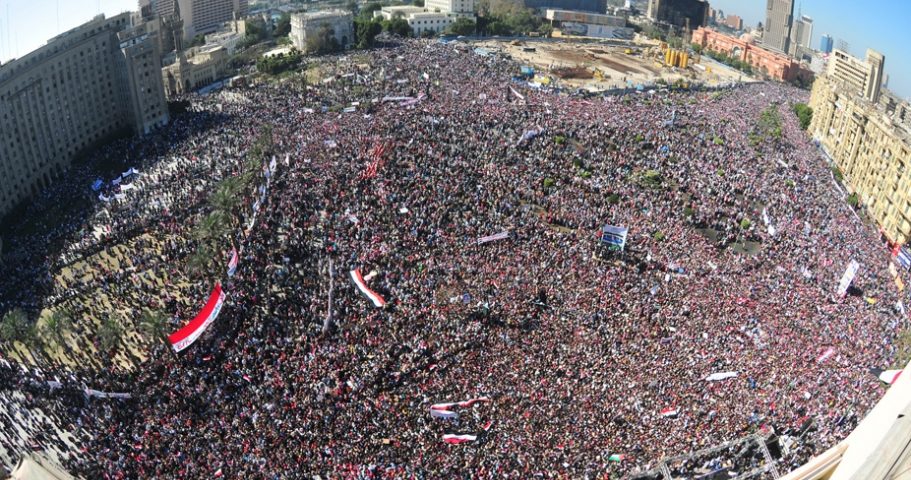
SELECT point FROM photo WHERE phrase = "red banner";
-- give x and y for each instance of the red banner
(185, 337)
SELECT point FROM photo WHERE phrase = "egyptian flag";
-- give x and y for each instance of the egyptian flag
(362, 286)
(669, 412)
(886, 376)
(456, 439)
(185, 337)
(444, 410)
(232, 264)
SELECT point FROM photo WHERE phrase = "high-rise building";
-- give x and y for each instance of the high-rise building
(685, 14)
(801, 33)
(205, 16)
(779, 17)
(84, 86)
(826, 43)
(862, 78)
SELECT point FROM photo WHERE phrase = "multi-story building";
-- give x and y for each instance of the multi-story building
(685, 14)
(801, 33)
(870, 143)
(463, 7)
(774, 64)
(864, 78)
(435, 16)
(734, 22)
(588, 24)
(308, 25)
(81, 88)
(779, 17)
(198, 17)
(826, 43)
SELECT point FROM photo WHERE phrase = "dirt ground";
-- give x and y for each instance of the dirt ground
(616, 67)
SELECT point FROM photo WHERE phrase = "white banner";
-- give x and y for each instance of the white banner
(847, 278)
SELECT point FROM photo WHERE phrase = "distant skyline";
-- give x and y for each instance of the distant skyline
(877, 24)
(26, 25)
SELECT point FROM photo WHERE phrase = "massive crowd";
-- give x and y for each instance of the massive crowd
(593, 362)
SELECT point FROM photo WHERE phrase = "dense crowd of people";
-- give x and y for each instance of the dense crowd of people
(594, 362)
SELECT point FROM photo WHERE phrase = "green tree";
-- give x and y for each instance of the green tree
(14, 327)
(110, 333)
(366, 13)
(198, 40)
(697, 48)
(462, 26)
(366, 32)
(397, 26)
(55, 325)
(282, 26)
(154, 325)
(804, 114)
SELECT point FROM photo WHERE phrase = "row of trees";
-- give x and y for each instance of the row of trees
(278, 63)
(15, 326)
(213, 231)
(725, 59)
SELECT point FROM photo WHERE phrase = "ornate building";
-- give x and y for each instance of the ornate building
(773, 64)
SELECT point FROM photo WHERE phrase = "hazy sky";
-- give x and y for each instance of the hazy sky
(27, 24)
(878, 24)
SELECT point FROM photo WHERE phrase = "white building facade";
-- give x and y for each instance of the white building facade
(307, 25)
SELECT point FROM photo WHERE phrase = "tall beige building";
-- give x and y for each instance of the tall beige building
(869, 141)
(801, 34)
(779, 15)
(205, 16)
(199, 16)
(863, 76)
(82, 87)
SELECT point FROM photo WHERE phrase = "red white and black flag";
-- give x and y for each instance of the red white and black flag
(361, 285)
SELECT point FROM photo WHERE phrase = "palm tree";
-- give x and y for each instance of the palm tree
(199, 261)
(56, 323)
(14, 326)
(227, 194)
(154, 324)
(110, 334)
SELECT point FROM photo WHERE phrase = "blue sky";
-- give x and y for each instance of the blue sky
(33, 22)
(878, 24)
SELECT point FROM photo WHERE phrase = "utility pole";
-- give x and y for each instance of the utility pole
(327, 323)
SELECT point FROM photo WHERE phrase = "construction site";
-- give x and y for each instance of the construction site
(601, 66)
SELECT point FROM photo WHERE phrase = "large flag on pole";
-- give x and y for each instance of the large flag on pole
(847, 278)
(185, 337)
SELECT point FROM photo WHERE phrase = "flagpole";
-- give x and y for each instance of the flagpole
(327, 324)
